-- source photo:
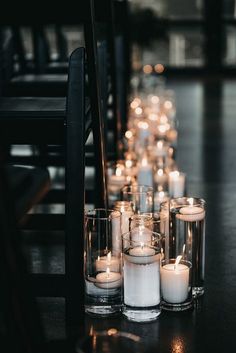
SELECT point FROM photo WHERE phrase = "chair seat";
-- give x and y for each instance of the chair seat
(50, 85)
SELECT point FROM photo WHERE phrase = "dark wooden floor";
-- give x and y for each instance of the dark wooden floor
(206, 152)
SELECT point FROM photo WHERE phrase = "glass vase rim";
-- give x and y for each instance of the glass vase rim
(92, 213)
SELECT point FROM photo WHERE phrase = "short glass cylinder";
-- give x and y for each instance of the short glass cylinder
(141, 276)
(187, 216)
(102, 267)
(140, 197)
(176, 288)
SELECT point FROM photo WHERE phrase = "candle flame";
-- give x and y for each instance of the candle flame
(109, 256)
(128, 134)
(177, 261)
(155, 99)
(108, 271)
(128, 163)
(138, 111)
(175, 174)
(190, 201)
(160, 172)
(98, 258)
(142, 245)
(143, 125)
(159, 144)
(91, 331)
(118, 171)
(168, 104)
(144, 162)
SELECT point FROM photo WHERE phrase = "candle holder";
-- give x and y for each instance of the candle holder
(141, 277)
(187, 236)
(140, 197)
(176, 184)
(102, 270)
(176, 287)
(125, 208)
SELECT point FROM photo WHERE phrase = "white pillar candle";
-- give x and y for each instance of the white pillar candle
(191, 213)
(108, 261)
(145, 175)
(116, 232)
(108, 279)
(176, 184)
(142, 277)
(174, 283)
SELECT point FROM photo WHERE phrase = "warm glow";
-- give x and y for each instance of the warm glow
(109, 256)
(162, 128)
(118, 171)
(152, 117)
(108, 271)
(144, 162)
(160, 172)
(160, 145)
(91, 331)
(128, 134)
(143, 125)
(161, 194)
(168, 104)
(128, 163)
(112, 331)
(147, 69)
(138, 111)
(163, 119)
(155, 99)
(135, 103)
(174, 174)
(159, 68)
(190, 201)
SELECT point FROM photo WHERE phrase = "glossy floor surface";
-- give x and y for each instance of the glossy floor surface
(206, 152)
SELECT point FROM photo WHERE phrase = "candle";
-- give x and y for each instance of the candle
(126, 211)
(174, 282)
(116, 232)
(176, 184)
(144, 131)
(142, 255)
(159, 197)
(108, 261)
(116, 181)
(108, 279)
(141, 277)
(191, 213)
(160, 177)
(145, 176)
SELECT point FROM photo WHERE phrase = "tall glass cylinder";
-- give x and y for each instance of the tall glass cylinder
(140, 196)
(102, 268)
(187, 236)
(141, 276)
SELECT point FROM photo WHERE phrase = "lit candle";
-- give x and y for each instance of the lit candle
(143, 254)
(108, 261)
(160, 177)
(191, 213)
(159, 197)
(141, 277)
(108, 279)
(116, 181)
(175, 282)
(144, 131)
(145, 175)
(176, 184)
